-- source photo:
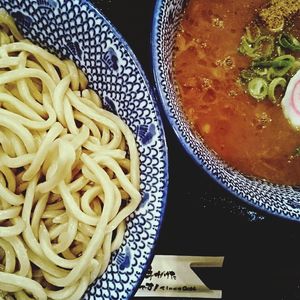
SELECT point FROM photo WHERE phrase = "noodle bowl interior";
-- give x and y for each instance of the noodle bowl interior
(69, 174)
(252, 135)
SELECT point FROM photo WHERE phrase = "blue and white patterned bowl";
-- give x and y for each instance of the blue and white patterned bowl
(279, 200)
(75, 29)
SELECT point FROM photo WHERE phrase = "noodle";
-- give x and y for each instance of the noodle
(69, 174)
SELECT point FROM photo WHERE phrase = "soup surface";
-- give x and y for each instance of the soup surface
(254, 137)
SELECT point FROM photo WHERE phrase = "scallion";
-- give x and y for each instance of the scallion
(258, 88)
(288, 41)
(274, 84)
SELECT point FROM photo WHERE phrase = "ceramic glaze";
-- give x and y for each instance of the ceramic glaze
(75, 29)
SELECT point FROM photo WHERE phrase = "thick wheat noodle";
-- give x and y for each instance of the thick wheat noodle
(37, 51)
(67, 236)
(24, 89)
(15, 229)
(16, 162)
(21, 254)
(98, 237)
(10, 197)
(9, 62)
(37, 214)
(31, 124)
(73, 71)
(25, 283)
(9, 177)
(9, 256)
(10, 213)
(58, 99)
(20, 107)
(69, 116)
(15, 75)
(69, 174)
(22, 132)
(17, 144)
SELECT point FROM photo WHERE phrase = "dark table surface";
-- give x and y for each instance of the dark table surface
(262, 252)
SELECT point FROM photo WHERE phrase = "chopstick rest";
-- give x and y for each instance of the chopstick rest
(172, 276)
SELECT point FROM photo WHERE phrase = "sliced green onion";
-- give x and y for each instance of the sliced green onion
(279, 51)
(288, 41)
(261, 71)
(270, 74)
(284, 58)
(245, 47)
(271, 67)
(275, 83)
(264, 46)
(278, 66)
(247, 75)
(295, 67)
(252, 33)
(258, 88)
(282, 64)
(272, 63)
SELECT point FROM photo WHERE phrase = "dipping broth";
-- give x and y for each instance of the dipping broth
(252, 136)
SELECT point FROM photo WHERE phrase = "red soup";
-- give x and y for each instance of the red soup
(252, 136)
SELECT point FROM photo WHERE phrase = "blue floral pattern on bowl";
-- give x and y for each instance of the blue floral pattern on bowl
(75, 29)
(279, 200)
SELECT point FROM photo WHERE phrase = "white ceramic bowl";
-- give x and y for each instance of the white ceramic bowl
(283, 201)
(75, 29)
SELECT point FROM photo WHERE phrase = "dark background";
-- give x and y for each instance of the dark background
(262, 252)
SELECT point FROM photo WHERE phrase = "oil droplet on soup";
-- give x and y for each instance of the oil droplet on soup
(254, 137)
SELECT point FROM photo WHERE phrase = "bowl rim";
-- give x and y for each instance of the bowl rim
(175, 128)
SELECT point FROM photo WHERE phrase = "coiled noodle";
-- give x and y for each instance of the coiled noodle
(69, 174)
